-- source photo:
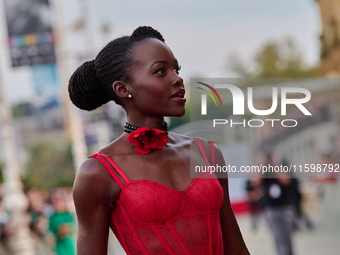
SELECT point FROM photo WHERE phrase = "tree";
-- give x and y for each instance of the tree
(22, 109)
(50, 165)
(274, 60)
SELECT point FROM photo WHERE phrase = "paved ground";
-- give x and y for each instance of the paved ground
(324, 239)
(321, 240)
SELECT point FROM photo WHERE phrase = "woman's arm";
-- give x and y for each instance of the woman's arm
(233, 242)
(93, 195)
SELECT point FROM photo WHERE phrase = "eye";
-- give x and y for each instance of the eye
(177, 69)
(160, 70)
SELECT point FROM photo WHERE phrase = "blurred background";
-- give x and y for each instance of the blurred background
(44, 138)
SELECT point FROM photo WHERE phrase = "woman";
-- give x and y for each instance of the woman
(149, 201)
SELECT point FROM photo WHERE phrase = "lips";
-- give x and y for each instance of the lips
(178, 94)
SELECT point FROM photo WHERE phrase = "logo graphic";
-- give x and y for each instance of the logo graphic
(239, 99)
(204, 97)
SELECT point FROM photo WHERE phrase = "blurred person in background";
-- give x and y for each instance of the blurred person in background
(278, 202)
(254, 195)
(39, 221)
(62, 223)
(301, 219)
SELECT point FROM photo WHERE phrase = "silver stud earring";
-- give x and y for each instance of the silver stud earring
(129, 96)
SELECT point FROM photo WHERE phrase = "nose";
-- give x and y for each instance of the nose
(178, 80)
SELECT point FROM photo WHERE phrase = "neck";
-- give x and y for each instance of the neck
(128, 128)
(146, 122)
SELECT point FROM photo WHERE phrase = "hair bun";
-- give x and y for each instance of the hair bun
(90, 86)
(84, 89)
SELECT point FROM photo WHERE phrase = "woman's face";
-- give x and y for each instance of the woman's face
(156, 87)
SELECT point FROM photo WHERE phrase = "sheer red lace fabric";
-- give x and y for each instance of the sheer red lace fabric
(151, 218)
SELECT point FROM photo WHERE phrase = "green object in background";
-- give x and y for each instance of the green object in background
(50, 165)
(64, 245)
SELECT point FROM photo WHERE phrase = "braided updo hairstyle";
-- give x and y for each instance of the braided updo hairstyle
(90, 86)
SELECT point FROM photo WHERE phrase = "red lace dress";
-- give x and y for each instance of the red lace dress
(151, 218)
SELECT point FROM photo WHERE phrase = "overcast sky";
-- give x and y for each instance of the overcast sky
(200, 33)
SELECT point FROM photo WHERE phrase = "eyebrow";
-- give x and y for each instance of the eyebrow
(162, 61)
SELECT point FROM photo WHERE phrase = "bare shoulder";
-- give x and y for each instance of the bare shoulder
(94, 199)
(217, 154)
(91, 170)
(219, 159)
(94, 182)
(206, 144)
(183, 140)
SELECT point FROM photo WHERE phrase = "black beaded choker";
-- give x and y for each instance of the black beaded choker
(128, 128)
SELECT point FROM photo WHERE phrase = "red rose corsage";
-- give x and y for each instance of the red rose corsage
(146, 139)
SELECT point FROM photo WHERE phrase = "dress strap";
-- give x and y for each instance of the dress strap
(110, 165)
(212, 151)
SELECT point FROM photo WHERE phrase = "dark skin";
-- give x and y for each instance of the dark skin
(154, 79)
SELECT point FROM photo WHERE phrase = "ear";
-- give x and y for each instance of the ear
(119, 87)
